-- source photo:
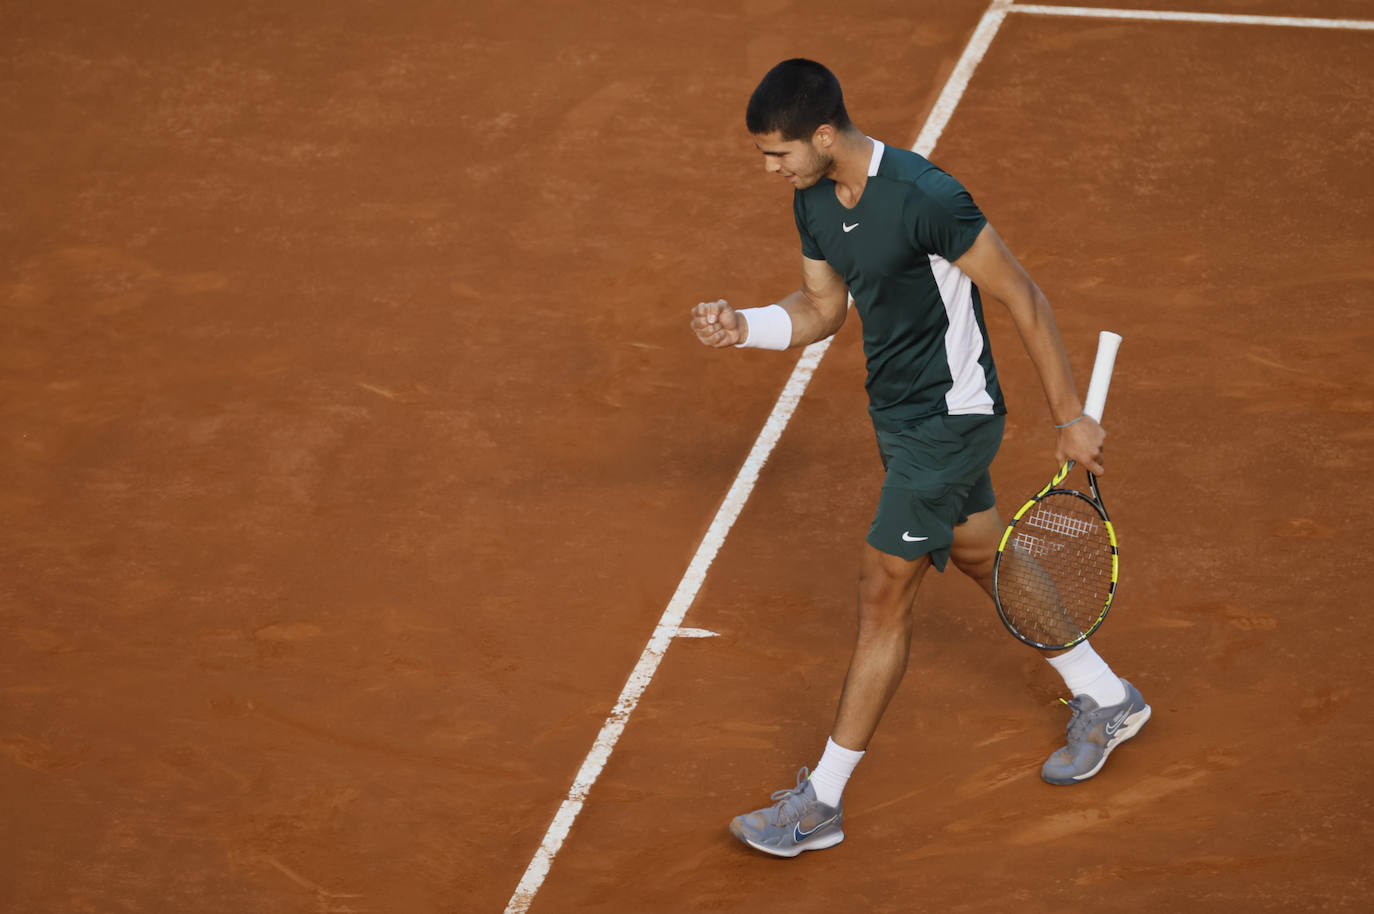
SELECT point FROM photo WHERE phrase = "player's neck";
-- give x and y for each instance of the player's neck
(852, 154)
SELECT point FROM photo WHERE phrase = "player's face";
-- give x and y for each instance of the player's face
(799, 161)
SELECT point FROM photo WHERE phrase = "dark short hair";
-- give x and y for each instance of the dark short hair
(795, 98)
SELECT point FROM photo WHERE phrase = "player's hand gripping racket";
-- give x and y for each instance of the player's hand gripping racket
(1056, 564)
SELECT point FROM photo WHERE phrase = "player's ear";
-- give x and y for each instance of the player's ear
(823, 137)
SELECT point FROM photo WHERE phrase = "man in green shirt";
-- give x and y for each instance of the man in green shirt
(908, 243)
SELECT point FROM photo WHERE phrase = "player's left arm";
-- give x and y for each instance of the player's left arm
(996, 272)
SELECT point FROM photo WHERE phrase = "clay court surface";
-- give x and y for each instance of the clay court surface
(354, 442)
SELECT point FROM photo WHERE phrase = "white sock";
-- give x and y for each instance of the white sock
(833, 772)
(1085, 673)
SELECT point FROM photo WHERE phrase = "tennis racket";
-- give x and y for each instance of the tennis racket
(1055, 573)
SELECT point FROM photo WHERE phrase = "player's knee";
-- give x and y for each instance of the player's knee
(879, 616)
(886, 591)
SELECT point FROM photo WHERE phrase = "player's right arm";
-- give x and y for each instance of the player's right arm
(817, 310)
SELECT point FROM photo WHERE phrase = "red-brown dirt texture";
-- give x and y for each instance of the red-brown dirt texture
(353, 441)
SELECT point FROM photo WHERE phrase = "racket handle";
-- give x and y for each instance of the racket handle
(1107, 344)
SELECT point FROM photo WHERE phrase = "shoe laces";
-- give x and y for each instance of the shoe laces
(791, 801)
(1078, 723)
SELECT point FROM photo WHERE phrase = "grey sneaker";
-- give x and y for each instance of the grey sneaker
(1093, 733)
(797, 822)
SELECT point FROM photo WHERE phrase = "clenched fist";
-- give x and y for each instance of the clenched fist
(718, 325)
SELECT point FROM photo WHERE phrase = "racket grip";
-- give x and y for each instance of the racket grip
(1107, 344)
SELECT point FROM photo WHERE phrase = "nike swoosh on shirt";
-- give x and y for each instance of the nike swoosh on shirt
(849, 228)
(914, 539)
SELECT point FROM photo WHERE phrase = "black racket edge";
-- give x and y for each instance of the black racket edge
(1096, 501)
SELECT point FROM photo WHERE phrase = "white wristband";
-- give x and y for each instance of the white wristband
(769, 328)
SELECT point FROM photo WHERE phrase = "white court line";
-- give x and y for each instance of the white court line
(958, 80)
(697, 633)
(1168, 16)
(671, 620)
(668, 627)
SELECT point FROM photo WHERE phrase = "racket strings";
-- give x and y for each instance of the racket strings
(1055, 575)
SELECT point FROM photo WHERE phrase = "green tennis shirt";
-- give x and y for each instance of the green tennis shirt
(924, 337)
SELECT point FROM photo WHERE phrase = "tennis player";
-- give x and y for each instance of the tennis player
(908, 243)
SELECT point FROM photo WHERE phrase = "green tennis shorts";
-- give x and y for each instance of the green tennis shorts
(937, 477)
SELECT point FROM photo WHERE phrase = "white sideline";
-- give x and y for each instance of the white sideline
(669, 624)
(668, 627)
(953, 91)
(1171, 16)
